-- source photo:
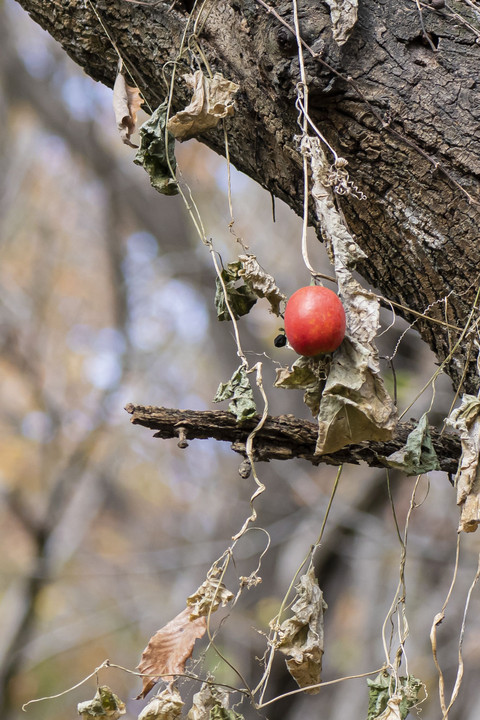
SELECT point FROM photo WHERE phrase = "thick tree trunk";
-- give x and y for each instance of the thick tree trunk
(399, 101)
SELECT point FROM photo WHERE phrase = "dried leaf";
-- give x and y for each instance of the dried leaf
(240, 298)
(126, 103)
(418, 455)
(104, 705)
(379, 691)
(261, 283)
(307, 373)
(301, 636)
(392, 711)
(355, 405)
(343, 14)
(210, 595)
(205, 700)
(167, 705)
(211, 703)
(218, 712)
(384, 704)
(154, 156)
(169, 649)
(239, 390)
(466, 420)
(212, 100)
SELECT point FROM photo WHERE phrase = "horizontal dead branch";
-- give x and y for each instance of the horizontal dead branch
(281, 438)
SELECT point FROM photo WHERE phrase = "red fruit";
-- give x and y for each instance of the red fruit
(314, 320)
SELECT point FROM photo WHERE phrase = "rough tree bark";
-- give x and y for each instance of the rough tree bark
(399, 101)
(281, 438)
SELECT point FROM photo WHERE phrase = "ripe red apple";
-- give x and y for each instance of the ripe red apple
(314, 320)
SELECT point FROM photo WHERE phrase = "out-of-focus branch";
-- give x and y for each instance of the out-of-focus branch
(83, 139)
(281, 438)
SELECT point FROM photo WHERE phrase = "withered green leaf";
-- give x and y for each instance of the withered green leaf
(239, 391)
(241, 298)
(261, 283)
(388, 700)
(205, 700)
(218, 712)
(104, 705)
(154, 156)
(308, 374)
(418, 454)
(211, 703)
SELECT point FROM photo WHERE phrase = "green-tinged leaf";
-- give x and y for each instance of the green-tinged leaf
(306, 373)
(378, 695)
(261, 283)
(241, 298)
(239, 391)
(152, 154)
(300, 637)
(387, 702)
(218, 712)
(410, 691)
(105, 705)
(418, 454)
(203, 702)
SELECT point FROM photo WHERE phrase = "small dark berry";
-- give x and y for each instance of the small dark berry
(280, 340)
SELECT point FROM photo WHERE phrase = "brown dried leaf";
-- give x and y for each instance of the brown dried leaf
(301, 636)
(126, 103)
(466, 419)
(212, 100)
(210, 595)
(169, 649)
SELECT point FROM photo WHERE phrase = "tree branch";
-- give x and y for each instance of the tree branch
(281, 438)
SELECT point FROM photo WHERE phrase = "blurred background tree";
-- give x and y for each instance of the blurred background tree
(106, 298)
